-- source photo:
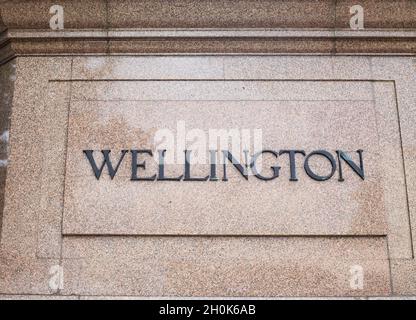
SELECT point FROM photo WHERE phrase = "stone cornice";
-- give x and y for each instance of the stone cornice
(220, 14)
(206, 27)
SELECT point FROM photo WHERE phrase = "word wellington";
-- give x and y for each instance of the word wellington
(250, 167)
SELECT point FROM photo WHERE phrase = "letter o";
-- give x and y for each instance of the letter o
(326, 155)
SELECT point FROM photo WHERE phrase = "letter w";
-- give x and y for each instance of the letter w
(107, 162)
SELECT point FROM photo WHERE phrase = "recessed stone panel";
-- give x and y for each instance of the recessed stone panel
(298, 115)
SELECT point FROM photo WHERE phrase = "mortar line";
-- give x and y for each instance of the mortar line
(404, 170)
(65, 169)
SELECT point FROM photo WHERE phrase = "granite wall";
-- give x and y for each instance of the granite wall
(7, 79)
(121, 71)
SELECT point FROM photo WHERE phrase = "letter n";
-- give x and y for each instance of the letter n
(242, 169)
(359, 170)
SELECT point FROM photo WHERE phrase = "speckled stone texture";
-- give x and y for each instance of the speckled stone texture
(61, 105)
(385, 13)
(7, 79)
(31, 212)
(306, 115)
(78, 13)
(222, 14)
(112, 14)
(128, 26)
(122, 69)
(223, 266)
